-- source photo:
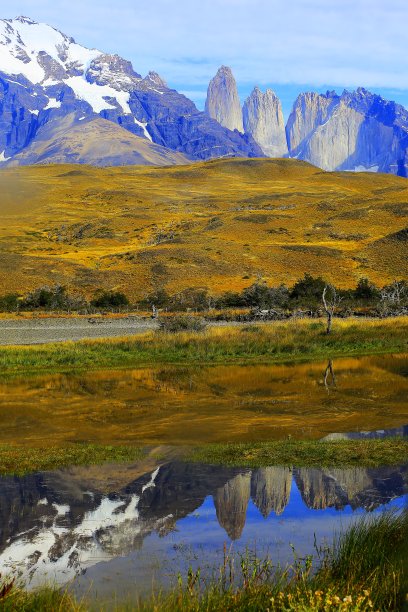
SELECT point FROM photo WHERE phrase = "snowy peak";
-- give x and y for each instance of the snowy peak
(40, 53)
(112, 70)
(45, 77)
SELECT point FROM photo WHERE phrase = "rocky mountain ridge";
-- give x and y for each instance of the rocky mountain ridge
(62, 523)
(354, 131)
(45, 75)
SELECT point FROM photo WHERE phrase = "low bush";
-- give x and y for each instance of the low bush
(110, 299)
(9, 302)
(182, 323)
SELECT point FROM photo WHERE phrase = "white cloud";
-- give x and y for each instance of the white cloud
(341, 42)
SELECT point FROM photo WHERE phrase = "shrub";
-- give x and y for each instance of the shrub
(366, 290)
(308, 288)
(191, 298)
(9, 302)
(230, 299)
(159, 298)
(182, 323)
(52, 298)
(259, 295)
(110, 299)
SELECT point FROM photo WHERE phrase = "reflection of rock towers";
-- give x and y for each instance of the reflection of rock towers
(357, 487)
(231, 503)
(270, 489)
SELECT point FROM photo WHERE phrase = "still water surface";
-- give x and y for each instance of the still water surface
(186, 405)
(118, 530)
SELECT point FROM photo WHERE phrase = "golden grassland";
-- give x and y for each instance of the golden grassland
(216, 225)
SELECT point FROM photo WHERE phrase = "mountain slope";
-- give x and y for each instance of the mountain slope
(94, 141)
(216, 224)
(44, 75)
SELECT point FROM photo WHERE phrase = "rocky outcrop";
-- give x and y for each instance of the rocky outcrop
(263, 119)
(356, 131)
(222, 102)
(357, 487)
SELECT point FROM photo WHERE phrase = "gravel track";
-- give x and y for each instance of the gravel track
(54, 329)
(42, 331)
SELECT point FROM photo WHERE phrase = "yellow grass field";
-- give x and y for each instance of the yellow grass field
(216, 225)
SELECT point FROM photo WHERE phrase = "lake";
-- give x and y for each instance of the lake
(112, 532)
(218, 404)
(118, 530)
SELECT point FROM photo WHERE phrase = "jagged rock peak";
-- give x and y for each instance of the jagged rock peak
(270, 489)
(223, 102)
(23, 19)
(156, 79)
(263, 119)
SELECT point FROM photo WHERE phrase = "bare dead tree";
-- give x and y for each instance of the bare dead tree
(329, 371)
(330, 301)
(394, 293)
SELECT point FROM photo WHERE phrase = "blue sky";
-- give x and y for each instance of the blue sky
(289, 45)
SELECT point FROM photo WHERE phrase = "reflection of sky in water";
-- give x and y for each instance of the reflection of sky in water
(116, 530)
(198, 541)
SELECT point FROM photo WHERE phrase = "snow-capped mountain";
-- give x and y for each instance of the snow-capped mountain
(49, 84)
(45, 75)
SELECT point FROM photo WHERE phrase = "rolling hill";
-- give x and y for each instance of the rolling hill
(216, 224)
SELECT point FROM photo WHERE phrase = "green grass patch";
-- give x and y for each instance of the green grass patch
(20, 460)
(304, 453)
(275, 342)
(46, 599)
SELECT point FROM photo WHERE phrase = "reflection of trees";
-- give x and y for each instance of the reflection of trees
(329, 377)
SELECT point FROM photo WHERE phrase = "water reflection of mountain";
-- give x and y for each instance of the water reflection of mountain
(60, 523)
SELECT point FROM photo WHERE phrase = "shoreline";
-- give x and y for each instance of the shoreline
(276, 342)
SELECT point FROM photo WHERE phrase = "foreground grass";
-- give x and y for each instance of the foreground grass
(304, 453)
(364, 569)
(20, 460)
(280, 341)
